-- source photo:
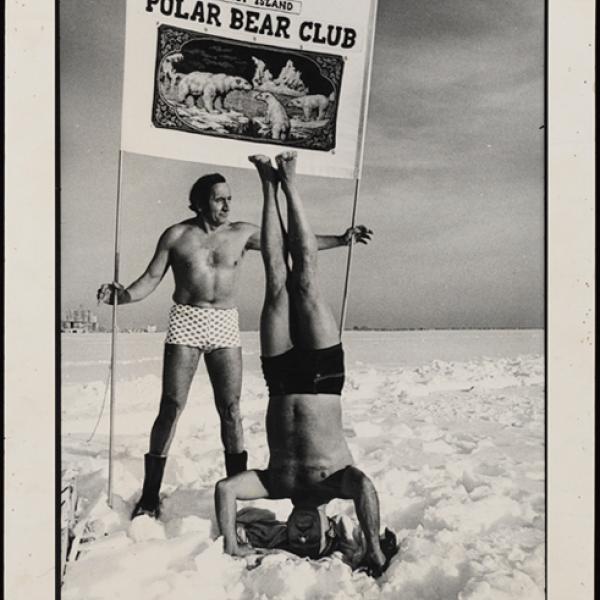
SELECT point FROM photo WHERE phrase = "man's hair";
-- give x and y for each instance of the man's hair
(200, 192)
(327, 533)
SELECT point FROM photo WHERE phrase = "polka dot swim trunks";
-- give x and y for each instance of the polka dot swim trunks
(204, 328)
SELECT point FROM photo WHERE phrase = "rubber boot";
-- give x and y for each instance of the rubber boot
(236, 463)
(389, 546)
(149, 503)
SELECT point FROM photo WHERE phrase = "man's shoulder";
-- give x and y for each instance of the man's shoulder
(244, 226)
(181, 227)
(173, 232)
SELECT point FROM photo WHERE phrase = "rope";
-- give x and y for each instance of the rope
(106, 388)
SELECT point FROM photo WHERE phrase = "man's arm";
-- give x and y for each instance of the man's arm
(360, 488)
(325, 242)
(253, 242)
(243, 486)
(147, 283)
(359, 234)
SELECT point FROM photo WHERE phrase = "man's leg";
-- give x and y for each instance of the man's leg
(179, 367)
(313, 324)
(274, 320)
(224, 368)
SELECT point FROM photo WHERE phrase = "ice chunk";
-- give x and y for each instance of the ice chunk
(438, 447)
(144, 528)
(191, 524)
(367, 429)
(106, 545)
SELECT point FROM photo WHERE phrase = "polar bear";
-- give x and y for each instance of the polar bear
(316, 103)
(276, 116)
(169, 75)
(213, 87)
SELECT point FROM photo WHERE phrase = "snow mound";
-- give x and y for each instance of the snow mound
(145, 528)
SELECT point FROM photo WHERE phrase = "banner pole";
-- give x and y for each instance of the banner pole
(361, 150)
(113, 351)
(349, 259)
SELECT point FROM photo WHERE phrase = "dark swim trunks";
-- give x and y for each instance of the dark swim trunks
(300, 371)
(315, 494)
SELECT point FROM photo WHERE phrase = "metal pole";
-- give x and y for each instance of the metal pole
(349, 259)
(360, 147)
(113, 352)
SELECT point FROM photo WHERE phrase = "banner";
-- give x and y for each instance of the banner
(216, 81)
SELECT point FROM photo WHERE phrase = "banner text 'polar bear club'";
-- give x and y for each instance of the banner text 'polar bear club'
(216, 81)
(255, 22)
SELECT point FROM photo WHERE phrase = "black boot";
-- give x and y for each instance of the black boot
(149, 503)
(236, 463)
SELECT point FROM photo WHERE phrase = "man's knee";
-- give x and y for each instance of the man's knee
(307, 251)
(305, 286)
(171, 406)
(276, 290)
(230, 411)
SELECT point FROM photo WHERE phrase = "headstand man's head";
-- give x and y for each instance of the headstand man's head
(211, 196)
(309, 532)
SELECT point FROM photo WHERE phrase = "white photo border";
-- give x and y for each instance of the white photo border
(30, 300)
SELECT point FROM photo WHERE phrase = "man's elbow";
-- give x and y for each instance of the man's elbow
(356, 482)
(224, 489)
(221, 486)
(153, 279)
(145, 286)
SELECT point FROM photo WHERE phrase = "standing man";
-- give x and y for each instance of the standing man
(205, 254)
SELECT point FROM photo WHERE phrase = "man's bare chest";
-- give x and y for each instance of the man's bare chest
(200, 252)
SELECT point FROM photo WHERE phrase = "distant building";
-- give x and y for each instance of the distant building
(79, 320)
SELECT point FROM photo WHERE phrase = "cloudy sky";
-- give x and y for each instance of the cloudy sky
(452, 185)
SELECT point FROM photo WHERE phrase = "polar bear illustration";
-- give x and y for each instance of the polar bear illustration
(276, 116)
(316, 103)
(169, 75)
(213, 87)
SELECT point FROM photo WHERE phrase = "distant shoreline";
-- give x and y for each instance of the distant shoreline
(354, 330)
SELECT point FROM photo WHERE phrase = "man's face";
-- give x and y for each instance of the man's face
(219, 203)
(305, 531)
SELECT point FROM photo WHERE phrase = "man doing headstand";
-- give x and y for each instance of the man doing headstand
(205, 254)
(303, 365)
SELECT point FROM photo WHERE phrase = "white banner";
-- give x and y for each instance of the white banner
(217, 81)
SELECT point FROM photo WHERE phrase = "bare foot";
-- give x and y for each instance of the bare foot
(264, 167)
(286, 163)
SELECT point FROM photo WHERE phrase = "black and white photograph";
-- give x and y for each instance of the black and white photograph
(301, 320)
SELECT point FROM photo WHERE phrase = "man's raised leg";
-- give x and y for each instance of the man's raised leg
(313, 324)
(274, 320)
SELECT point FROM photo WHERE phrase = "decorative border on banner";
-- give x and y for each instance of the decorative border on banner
(209, 85)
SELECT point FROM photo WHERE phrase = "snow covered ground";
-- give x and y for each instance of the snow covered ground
(449, 425)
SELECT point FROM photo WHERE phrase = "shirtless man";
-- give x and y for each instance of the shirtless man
(303, 365)
(205, 254)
